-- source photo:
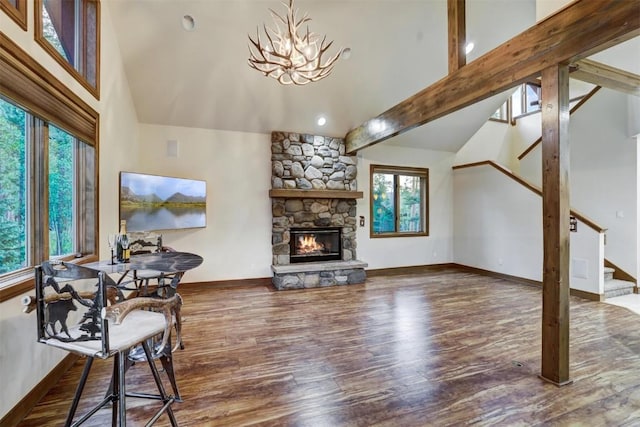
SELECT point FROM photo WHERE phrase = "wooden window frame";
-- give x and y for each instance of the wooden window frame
(18, 14)
(44, 43)
(30, 86)
(507, 111)
(423, 173)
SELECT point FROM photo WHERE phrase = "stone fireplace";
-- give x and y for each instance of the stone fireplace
(313, 200)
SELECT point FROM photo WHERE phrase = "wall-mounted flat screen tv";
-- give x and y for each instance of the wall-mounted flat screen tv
(153, 202)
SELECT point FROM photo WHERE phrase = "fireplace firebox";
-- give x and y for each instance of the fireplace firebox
(315, 244)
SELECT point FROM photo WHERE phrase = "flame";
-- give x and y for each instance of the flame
(307, 245)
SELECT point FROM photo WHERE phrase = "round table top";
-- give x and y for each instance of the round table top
(166, 262)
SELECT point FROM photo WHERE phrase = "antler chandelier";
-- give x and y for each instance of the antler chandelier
(290, 56)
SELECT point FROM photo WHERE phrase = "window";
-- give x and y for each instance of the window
(48, 171)
(524, 100)
(399, 201)
(13, 181)
(502, 113)
(531, 98)
(69, 30)
(61, 192)
(17, 10)
(22, 245)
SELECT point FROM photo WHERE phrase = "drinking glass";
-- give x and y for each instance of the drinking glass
(111, 238)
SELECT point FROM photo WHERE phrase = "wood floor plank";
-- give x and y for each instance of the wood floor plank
(439, 348)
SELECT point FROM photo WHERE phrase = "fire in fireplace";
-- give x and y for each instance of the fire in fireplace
(315, 244)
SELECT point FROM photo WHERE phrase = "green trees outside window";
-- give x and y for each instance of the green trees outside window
(410, 204)
(47, 192)
(384, 207)
(48, 170)
(399, 200)
(13, 188)
(61, 192)
(69, 30)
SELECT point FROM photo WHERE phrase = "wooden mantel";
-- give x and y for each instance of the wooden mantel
(314, 194)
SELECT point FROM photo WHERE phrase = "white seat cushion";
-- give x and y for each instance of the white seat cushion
(148, 274)
(136, 327)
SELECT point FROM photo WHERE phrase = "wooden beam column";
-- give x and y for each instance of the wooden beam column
(555, 222)
(457, 34)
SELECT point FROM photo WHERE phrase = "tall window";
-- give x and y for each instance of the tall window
(69, 30)
(14, 184)
(48, 171)
(36, 225)
(61, 192)
(399, 201)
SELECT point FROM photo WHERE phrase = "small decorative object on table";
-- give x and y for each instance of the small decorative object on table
(112, 244)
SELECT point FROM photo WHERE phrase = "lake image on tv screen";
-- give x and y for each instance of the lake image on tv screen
(151, 202)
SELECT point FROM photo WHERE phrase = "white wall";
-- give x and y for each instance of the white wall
(503, 143)
(409, 251)
(493, 141)
(498, 227)
(236, 243)
(23, 362)
(633, 115)
(603, 174)
(545, 8)
(497, 223)
(586, 260)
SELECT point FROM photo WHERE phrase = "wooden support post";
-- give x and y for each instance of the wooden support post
(457, 34)
(555, 211)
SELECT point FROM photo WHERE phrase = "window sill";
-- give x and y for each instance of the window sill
(25, 282)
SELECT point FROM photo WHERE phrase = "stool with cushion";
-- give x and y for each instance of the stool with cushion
(73, 314)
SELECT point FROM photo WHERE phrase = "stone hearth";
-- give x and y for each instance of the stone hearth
(317, 164)
(318, 274)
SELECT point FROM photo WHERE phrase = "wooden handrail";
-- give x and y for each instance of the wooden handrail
(573, 110)
(588, 222)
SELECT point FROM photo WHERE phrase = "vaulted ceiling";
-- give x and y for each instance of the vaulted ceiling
(201, 78)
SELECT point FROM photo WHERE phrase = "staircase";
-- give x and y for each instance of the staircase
(615, 287)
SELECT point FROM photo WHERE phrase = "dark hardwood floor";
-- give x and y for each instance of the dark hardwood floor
(434, 349)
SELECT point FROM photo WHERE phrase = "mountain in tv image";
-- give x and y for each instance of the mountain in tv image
(128, 197)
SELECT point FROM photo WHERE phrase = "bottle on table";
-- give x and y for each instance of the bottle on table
(123, 251)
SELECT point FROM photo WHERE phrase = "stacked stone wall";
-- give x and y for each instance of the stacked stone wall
(311, 162)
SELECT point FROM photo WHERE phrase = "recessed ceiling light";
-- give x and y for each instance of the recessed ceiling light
(188, 23)
(322, 120)
(469, 47)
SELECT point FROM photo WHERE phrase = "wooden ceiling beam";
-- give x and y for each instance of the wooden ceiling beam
(581, 29)
(603, 75)
(457, 34)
